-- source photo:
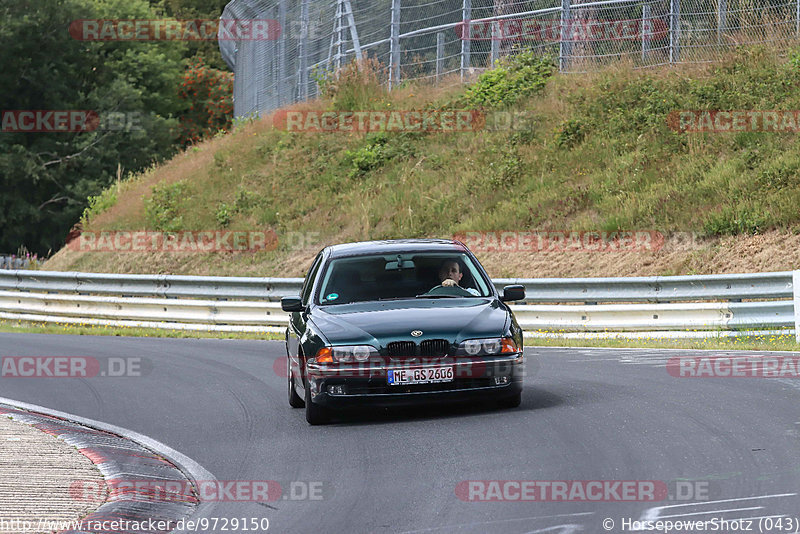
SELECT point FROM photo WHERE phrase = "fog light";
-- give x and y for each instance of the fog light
(500, 380)
(336, 390)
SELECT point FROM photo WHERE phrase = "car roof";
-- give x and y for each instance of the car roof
(395, 246)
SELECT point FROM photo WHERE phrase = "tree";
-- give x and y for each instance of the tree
(197, 9)
(46, 177)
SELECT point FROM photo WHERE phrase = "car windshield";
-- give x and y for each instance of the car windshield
(401, 276)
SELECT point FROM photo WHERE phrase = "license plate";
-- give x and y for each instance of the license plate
(426, 375)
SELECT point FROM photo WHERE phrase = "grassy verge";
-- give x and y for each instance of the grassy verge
(768, 343)
(25, 327)
(776, 343)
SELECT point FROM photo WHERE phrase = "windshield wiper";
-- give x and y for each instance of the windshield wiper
(425, 296)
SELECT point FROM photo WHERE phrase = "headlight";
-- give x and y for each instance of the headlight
(487, 346)
(349, 353)
(472, 346)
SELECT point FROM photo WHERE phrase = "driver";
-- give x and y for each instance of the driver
(450, 274)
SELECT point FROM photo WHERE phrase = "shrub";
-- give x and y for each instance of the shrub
(162, 209)
(209, 95)
(514, 78)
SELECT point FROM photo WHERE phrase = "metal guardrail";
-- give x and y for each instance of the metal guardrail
(144, 285)
(776, 285)
(634, 307)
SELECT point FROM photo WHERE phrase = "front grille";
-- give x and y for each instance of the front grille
(434, 348)
(380, 387)
(402, 349)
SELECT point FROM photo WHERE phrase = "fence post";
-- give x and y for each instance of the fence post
(796, 291)
(341, 38)
(466, 36)
(351, 23)
(647, 25)
(722, 18)
(564, 41)
(302, 92)
(394, 45)
(439, 55)
(495, 43)
(674, 30)
(797, 18)
(281, 51)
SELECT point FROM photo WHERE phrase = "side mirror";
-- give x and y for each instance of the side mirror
(512, 293)
(292, 304)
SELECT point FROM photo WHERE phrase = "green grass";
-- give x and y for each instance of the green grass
(599, 155)
(769, 343)
(25, 327)
(776, 343)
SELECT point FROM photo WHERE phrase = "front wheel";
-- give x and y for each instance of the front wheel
(315, 414)
(294, 399)
(511, 402)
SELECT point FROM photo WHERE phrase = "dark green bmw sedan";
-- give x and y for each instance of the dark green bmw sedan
(397, 322)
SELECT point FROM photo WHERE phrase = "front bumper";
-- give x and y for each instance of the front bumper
(367, 385)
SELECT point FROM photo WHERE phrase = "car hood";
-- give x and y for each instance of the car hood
(377, 323)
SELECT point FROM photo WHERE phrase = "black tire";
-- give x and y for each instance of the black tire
(315, 414)
(294, 399)
(511, 402)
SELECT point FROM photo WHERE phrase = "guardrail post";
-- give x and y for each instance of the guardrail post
(674, 30)
(564, 41)
(796, 291)
(466, 36)
(394, 45)
(440, 54)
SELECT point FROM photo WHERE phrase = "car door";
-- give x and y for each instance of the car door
(297, 320)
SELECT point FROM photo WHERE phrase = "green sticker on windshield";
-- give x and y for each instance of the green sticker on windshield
(333, 296)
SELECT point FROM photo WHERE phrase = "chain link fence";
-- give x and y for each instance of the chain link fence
(450, 41)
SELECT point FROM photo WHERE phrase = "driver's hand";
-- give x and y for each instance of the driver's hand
(449, 282)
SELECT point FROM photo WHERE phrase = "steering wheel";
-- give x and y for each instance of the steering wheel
(456, 291)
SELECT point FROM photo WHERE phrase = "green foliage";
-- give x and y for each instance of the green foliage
(163, 209)
(379, 149)
(192, 10)
(356, 87)
(209, 95)
(514, 78)
(223, 215)
(507, 172)
(733, 220)
(245, 201)
(99, 203)
(570, 133)
(46, 178)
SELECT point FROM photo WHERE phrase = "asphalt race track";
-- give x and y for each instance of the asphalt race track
(586, 414)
